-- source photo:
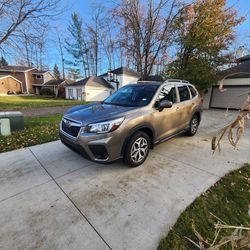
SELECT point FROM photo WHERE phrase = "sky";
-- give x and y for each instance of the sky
(83, 7)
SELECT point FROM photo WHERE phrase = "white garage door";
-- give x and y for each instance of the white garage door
(232, 97)
(93, 94)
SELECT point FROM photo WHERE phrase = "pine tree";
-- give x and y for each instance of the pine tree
(77, 48)
(56, 72)
(74, 74)
(3, 62)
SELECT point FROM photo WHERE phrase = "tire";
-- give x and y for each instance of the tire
(193, 126)
(137, 149)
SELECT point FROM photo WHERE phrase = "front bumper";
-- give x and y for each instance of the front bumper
(95, 147)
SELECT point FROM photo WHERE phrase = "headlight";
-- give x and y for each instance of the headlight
(104, 127)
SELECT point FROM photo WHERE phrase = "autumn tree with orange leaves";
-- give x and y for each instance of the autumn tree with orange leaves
(204, 32)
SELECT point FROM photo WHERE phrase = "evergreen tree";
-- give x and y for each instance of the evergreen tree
(3, 62)
(74, 74)
(56, 72)
(77, 48)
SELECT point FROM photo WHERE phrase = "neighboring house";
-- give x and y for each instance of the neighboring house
(9, 84)
(50, 87)
(236, 82)
(92, 88)
(121, 76)
(27, 76)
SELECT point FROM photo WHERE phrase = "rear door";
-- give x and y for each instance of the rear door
(184, 106)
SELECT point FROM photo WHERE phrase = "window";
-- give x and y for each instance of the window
(135, 95)
(70, 93)
(39, 76)
(184, 93)
(168, 93)
(193, 91)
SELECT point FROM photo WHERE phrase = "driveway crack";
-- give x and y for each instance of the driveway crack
(71, 201)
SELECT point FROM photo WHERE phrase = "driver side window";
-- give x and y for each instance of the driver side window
(168, 93)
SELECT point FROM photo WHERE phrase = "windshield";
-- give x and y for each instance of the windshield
(132, 95)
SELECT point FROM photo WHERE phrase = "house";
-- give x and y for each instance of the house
(92, 88)
(236, 84)
(27, 76)
(51, 87)
(121, 76)
(9, 84)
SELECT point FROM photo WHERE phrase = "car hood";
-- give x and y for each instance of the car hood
(96, 112)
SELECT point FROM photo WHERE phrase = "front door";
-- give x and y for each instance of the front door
(166, 122)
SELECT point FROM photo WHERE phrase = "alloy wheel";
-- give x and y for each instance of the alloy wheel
(139, 150)
(194, 125)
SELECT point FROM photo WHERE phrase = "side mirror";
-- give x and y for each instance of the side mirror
(165, 104)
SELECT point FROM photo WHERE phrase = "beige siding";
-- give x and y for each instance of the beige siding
(47, 77)
(129, 79)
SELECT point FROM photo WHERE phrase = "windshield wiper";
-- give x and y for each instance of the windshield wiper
(116, 104)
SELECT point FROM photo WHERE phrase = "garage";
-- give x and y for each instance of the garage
(236, 82)
(232, 98)
(9, 84)
(96, 94)
(90, 89)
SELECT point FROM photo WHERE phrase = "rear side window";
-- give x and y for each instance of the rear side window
(168, 93)
(184, 93)
(193, 91)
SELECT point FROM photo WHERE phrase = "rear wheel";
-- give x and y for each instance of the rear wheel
(193, 127)
(137, 149)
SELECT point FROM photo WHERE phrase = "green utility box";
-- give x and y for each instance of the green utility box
(16, 119)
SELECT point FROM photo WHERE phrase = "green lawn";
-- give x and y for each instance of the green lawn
(28, 102)
(37, 130)
(228, 200)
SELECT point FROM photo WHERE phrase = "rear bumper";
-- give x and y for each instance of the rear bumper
(98, 148)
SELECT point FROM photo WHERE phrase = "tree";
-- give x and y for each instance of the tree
(74, 74)
(62, 55)
(14, 14)
(56, 72)
(146, 30)
(77, 48)
(204, 31)
(3, 62)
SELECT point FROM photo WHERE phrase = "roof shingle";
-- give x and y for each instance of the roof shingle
(93, 81)
(15, 68)
(123, 70)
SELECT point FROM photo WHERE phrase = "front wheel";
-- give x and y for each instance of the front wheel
(193, 127)
(137, 149)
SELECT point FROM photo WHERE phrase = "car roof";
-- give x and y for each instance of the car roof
(168, 81)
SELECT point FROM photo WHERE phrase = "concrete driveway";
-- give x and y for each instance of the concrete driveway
(52, 198)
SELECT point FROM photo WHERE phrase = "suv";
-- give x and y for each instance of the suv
(132, 120)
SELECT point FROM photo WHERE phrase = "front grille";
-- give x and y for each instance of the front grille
(70, 127)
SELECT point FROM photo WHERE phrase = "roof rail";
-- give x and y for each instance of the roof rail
(177, 80)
